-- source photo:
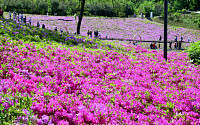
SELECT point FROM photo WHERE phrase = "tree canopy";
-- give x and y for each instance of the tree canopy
(110, 8)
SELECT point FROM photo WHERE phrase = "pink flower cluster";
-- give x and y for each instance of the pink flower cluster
(75, 87)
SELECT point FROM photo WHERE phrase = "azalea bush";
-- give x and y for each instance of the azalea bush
(20, 31)
(17, 31)
(194, 52)
(83, 86)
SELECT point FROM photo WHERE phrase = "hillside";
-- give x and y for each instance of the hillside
(45, 81)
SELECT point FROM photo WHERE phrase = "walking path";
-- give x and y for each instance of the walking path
(137, 40)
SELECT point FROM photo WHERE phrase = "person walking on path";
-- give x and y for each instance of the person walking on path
(188, 39)
(158, 45)
(154, 46)
(88, 32)
(170, 45)
(10, 15)
(25, 19)
(43, 26)
(159, 41)
(30, 21)
(174, 45)
(151, 46)
(61, 30)
(18, 17)
(21, 16)
(160, 38)
(100, 34)
(180, 43)
(176, 41)
(38, 24)
(91, 33)
(13, 15)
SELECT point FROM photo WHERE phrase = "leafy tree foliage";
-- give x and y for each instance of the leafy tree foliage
(109, 8)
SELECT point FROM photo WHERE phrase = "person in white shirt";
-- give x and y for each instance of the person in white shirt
(99, 34)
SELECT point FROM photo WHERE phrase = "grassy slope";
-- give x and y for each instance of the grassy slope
(186, 21)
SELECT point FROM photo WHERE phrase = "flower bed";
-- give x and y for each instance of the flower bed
(81, 87)
(117, 28)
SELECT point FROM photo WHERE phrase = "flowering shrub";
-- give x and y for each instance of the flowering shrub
(107, 87)
(194, 52)
(34, 34)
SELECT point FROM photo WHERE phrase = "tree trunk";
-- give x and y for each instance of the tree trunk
(188, 3)
(80, 17)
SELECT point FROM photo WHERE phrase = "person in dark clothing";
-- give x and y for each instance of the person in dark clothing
(18, 17)
(43, 26)
(158, 45)
(88, 32)
(30, 21)
(180, 43)
(175, 45)
(151, 46)
(160, 38)
(94, 33)
(159, 41)
(25, 19)
(38, 24)
(170, 45)
(176, 41)
(21, 17)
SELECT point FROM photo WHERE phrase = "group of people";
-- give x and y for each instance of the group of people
(96, 33)
(177, 44)
(153, 45)
(19, 17)
(38, 25)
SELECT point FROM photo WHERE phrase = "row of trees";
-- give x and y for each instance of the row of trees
(66, 7)
(121, 8)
